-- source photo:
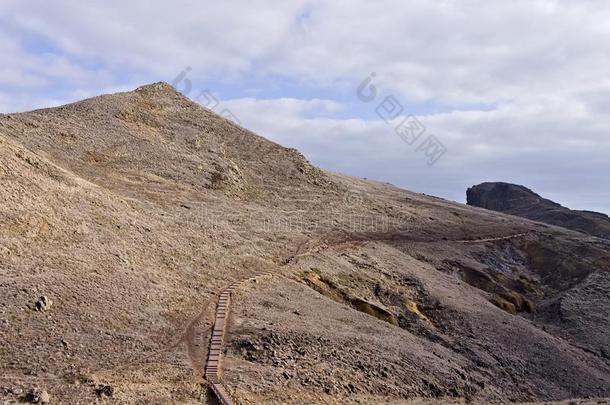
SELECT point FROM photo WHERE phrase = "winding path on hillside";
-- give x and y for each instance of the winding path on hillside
(514, 236)
(213, 365)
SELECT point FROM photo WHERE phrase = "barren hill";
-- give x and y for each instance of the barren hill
(523, 202)
(131, 212)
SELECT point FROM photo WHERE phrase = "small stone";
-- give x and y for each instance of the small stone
(45, 398)
(36, 396)
(104, 390)
(44, 303)
(32, 396)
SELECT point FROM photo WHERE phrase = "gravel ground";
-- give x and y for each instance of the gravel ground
(130, 212)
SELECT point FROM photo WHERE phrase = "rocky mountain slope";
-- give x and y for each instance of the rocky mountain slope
(523, 202)
(130, 212)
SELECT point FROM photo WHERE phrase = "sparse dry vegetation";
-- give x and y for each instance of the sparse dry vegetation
(130, 212)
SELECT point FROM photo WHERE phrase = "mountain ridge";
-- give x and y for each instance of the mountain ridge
(131, 212)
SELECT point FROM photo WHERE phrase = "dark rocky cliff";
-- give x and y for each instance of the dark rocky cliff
(523, 202)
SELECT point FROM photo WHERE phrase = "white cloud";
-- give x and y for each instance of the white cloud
(549, 147)
(543, 64)
(473, 51)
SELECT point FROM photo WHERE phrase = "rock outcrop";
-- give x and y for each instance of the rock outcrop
(521, 201)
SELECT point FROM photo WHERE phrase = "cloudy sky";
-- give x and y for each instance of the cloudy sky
(515, 91)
